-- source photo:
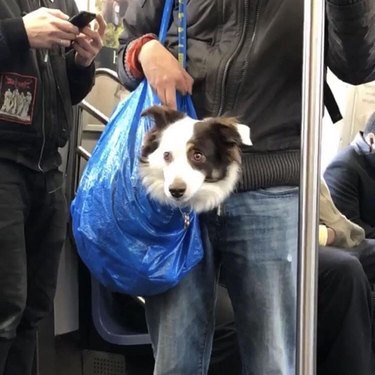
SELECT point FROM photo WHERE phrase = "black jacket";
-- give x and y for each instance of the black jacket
(37, 89)
(246, 59)
(351, 181)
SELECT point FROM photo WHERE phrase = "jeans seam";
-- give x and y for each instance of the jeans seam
(205, 336)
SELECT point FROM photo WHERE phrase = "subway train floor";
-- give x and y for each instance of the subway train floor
(69, 354)
(70, 359)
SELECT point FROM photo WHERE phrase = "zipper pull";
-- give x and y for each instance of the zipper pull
(46, 57)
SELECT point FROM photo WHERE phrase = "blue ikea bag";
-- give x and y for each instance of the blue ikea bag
(129, 242)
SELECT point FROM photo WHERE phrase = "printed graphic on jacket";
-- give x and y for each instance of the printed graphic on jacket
(17, 98)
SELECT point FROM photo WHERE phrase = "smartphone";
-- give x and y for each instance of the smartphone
(82, 19)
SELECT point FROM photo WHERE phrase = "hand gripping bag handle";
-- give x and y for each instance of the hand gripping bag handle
(185, 103)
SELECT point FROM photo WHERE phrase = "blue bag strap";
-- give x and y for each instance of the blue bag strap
(164, 25)
(165, 20)
(185, 102)
(182, 32)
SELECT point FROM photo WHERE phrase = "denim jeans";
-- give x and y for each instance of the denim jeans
(254, 243)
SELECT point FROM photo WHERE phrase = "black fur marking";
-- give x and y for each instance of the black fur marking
(163, 116)
(219, 141)
(150, 143)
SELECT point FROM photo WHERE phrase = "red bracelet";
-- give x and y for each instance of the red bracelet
(131, 55)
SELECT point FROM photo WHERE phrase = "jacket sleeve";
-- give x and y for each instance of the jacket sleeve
(13, 40)
(81, 79)
(351, 39)
(342, 182)
(141, 17)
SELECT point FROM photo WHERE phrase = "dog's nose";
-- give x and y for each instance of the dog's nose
(177, 190)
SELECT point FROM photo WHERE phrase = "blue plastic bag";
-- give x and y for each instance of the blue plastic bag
(130, 243)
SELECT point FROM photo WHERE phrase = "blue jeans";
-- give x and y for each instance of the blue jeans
(254, 243)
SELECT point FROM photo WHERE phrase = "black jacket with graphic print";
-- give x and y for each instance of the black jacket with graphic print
(246, 60)
(37, 89)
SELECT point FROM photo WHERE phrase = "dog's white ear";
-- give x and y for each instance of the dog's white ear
(244, 132)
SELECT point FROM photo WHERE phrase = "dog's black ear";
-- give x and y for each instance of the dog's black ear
(150, 144)
(225, 128)
(163, 116)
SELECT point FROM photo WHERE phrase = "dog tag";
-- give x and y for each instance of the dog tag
(186, 220)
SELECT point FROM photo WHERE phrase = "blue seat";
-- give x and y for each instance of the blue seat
(109, 322)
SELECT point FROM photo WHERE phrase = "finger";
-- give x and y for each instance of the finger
(67, 27)
(189, 82)
(170, 97)
(81, 51)
(185, 83)
(102, 25)
(161, 95)
(61, 43)
(57, 13)
(85, 43)
(63, 35)
(94, 35)
(181, 86)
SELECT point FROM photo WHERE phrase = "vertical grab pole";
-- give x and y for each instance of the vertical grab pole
(312, 110)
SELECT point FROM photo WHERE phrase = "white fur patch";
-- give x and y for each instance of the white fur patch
(244, 132)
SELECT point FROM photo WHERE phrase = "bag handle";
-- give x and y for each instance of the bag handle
(181, 27)
(185, 103)
(165, 20)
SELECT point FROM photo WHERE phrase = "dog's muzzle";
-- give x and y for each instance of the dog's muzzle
(177, 189)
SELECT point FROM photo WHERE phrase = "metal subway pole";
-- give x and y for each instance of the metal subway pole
(312, 111)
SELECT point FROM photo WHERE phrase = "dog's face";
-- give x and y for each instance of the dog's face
(190, 163)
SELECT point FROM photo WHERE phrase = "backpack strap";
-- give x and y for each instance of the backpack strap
(331, 103)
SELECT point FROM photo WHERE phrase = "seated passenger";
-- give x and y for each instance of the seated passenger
(351, 179)
(344, 300)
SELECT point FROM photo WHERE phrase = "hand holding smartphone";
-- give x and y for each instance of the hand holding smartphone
(82, 19)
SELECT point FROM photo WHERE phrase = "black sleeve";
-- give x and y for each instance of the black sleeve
(351, 39)
(81, 79)
(13, 40)
(343, 185)
(141, 17)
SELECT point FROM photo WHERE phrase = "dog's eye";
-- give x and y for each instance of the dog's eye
(199, 157)
(167, 156)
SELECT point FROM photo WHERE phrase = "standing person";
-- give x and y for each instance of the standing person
(351, 179)
(35, 63)
(244, 59)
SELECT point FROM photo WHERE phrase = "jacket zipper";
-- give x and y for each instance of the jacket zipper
(45, 60)
(44, 136)
(238, 50)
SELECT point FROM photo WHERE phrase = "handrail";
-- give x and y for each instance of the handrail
(312, 107)
(93, 111)
(81, 151)
(108, 73)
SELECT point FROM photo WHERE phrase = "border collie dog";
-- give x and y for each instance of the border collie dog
(191, 164)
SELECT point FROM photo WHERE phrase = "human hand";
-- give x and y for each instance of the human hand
(331, 236)
(164, 73)
(89, 42)
(370, 139)
(47, 28)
